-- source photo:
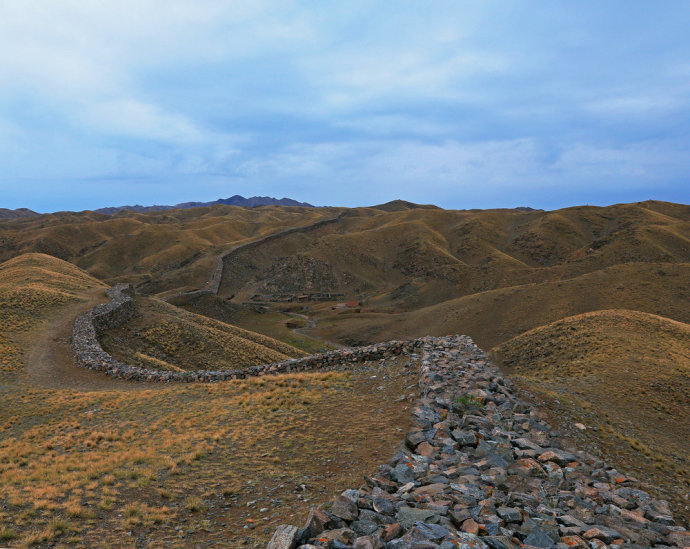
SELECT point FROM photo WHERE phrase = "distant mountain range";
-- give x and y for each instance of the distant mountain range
(236, 200)
(13, 214)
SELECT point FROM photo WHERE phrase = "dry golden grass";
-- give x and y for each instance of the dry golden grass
(625, 373)
(495, 316)
(270, 323)
(98, 465)
(33, 285)
(32, 288)
(166, 337)
(404, 260)
(163, 250)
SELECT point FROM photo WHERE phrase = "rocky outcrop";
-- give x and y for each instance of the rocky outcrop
(481, 469)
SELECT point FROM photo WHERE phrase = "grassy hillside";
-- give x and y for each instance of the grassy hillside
(32, 288)
(88, 461)
(412, 258)
(158, 251)
(189, 465)
(166, 337)
(494, 316)
(625, 374)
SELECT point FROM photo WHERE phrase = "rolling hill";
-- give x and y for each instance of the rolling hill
(587, 308)
(32, 288)
(165, 337)
(625, 375)
(494, 316)
(158, 251)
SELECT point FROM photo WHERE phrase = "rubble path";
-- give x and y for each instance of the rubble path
(480, 470)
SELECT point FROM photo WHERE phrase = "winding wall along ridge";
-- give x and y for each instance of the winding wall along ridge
(213, 285)
(121, 307)
(480, 470)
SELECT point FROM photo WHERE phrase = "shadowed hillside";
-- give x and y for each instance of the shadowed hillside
(157, 251)
(165, 337)
(89, 461)
(13, 214)
(494, 316)
(625, 374)
(405, 260)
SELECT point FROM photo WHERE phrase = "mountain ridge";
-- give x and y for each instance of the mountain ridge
(14, 214)
(235, 200)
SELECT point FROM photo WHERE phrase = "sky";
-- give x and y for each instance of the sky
(463, 104)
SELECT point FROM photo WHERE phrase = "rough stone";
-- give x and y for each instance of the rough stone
(285, 537)
(345, 509)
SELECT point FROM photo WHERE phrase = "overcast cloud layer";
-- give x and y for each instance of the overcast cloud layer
(461, 104)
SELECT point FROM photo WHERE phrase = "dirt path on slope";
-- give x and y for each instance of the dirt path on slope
(49, 361)
(307, 330)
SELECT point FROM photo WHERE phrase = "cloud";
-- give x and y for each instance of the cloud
(377, 99)
(132, 118)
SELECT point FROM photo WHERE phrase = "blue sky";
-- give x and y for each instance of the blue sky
(461, 104)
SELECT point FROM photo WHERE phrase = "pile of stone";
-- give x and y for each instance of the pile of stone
(481, 469)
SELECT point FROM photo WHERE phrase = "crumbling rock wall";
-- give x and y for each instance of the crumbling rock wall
(482, 470)
(121, 308)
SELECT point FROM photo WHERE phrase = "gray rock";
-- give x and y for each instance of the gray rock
(408, 516)
(403, 473)
(345, 509)
(509, 514)
(537, 538)
(425, 532)
(383, 506)
(499, 542)
(364, 527)
(464, 438)
(285, 537)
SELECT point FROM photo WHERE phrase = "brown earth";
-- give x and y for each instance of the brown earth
(157, 251)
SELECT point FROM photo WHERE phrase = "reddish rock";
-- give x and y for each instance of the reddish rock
(425, 449)
(343, 535)
(392, 531)
(470, 526)
(601, 532)
(430, 489)
(634, 516)
(574, 541)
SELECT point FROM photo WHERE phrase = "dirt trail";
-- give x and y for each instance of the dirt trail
(49, 361)
(307, 330)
